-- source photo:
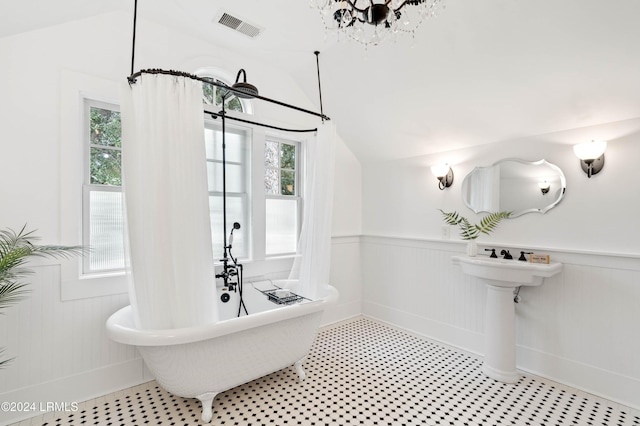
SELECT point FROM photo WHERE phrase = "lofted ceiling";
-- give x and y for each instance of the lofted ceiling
(483, 71)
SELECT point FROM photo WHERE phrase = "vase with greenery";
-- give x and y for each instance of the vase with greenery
(15, 249)
(470, 232)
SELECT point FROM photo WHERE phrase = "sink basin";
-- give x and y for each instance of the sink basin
(506, 272)
(501, 277)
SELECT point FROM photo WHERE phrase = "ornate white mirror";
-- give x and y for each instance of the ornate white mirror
(514, 185)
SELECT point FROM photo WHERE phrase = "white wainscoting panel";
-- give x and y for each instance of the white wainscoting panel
(580, 327)
(346, 278)
(60, 349)
(62, 353)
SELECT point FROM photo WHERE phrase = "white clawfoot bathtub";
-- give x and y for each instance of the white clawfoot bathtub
(200, 362)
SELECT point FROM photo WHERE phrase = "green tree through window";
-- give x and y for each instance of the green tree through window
(288, 173)
(105, 143)
(280, 168)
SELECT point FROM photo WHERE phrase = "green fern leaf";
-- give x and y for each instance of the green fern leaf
(469, 231)
(451, 218)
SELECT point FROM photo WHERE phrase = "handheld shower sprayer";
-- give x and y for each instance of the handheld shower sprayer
(236, 225)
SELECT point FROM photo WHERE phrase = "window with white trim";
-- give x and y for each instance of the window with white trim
(268, 230)
(103, 224)
(282, 196)
(238, 142)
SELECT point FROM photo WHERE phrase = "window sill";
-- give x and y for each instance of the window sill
(101, 285)
(269, 267)
(87, 286)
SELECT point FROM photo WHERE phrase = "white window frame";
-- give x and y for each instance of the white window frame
(88, 187)
(246, 221)
(75, 88)
(298, 187)
(257, 262)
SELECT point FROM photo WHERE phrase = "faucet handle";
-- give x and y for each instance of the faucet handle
(522, 253)
(493, 253)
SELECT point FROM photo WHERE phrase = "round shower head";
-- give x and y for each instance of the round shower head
(244, 89)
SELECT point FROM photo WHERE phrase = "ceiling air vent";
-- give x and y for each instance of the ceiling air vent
(238, 24)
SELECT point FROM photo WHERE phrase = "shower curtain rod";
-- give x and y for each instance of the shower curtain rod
(134, 75)
(215, 115)
(133, 78)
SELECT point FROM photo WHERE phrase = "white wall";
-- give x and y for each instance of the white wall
(345, 250)
(61, 351)
(566, 328)
(594, 216)
(580, 327)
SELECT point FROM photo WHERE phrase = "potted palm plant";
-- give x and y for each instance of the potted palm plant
(470, 232)
(15, 249)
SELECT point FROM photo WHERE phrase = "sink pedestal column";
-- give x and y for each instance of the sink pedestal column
(500, 335)
(501, 277)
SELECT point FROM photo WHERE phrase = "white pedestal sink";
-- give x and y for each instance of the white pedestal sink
(502, 277)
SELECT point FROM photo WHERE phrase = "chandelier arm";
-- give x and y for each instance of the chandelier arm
(401, 6)
(411, 2)
(354, 7)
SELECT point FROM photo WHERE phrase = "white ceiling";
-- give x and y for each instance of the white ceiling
(483, 71)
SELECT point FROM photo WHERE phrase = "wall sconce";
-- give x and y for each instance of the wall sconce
(444, 174)
(591, 155)
(544, 186)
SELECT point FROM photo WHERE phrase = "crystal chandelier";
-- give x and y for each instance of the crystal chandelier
(371, 22)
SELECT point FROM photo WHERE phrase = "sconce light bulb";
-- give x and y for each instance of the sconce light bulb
(591, 155)
(440, 170)
(444, 174)
(590, 150)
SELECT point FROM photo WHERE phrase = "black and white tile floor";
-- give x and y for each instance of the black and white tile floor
(362, 372)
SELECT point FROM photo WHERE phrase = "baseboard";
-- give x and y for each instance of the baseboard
(452, 336)
(602, 383)
(69, 391)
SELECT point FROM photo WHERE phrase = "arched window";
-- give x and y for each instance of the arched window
(212, 95)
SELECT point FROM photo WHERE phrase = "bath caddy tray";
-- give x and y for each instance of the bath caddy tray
(288, 300)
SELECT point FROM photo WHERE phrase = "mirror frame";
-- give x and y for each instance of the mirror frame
(563, 182)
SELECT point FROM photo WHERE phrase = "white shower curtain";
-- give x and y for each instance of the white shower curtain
(311, 267)
(167, 203)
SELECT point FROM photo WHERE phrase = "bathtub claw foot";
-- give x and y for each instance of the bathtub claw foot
(298, 366)
(207, 401)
